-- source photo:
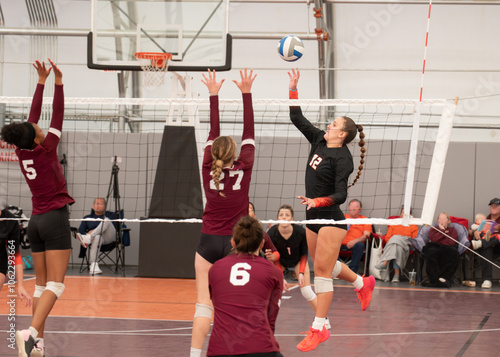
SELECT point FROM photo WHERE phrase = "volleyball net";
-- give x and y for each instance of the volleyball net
(157, 146)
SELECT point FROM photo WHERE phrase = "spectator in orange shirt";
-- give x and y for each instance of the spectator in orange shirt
(355, 238)
(397, 247)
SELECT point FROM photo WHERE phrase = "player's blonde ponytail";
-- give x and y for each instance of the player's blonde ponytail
(223, 151)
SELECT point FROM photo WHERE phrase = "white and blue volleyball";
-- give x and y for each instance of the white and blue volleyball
(290, 48)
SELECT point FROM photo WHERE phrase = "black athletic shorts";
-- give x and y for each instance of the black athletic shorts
(333, 212)
(268, 354)
(50, 231)
(213, 248)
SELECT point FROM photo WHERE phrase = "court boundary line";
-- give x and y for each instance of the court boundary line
(383, 334)
(471, 339)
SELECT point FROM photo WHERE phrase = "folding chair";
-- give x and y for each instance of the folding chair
(114, 263)
(345, 256)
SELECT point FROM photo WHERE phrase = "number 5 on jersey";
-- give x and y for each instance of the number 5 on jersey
(237, 184)
(30, 171)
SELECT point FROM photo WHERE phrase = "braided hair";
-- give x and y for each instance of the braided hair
(223, 151)
(352, 129)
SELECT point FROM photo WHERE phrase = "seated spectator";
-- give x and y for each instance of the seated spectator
(291, 242)
(397, 247)
(356, 236)
(487, 247)
(441, 253)
(96, 233)
(485, 226)
(245, 290)
(477, 221)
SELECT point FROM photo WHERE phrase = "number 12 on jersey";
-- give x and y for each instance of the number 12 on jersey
(315, 161)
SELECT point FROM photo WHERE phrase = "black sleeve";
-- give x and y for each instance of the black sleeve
(304, 125)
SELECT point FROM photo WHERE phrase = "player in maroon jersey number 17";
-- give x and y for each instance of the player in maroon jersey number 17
(226, 182)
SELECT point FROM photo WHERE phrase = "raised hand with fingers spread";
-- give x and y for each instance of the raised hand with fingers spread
(246, 81)
(211, 83)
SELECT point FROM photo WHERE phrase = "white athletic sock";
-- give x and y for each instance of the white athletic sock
(358, 283)
(34, 332)
(195, 352)
(318, 323)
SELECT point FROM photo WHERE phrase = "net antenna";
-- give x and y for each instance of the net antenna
(415, 134)
(154, 66)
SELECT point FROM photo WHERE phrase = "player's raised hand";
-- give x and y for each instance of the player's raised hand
(43, 71)
(246, 81)
(294, 79)
(211, 83)
(57, 72)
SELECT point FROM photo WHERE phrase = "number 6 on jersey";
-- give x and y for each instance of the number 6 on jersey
(239, 274)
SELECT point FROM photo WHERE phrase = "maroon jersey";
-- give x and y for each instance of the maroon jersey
(245, 291)
(40, 166)
(222, 213)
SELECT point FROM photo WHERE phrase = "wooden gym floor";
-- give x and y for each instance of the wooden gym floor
(129, 316)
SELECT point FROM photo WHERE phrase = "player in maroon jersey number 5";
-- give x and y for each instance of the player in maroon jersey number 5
(245, 290)
(48, 231)
(226, 182)
(327, 172)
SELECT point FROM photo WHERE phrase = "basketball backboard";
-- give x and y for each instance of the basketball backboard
(195, 32)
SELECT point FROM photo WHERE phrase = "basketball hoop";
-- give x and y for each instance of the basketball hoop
(154, 65)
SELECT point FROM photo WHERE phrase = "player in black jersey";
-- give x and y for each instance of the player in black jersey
(327, 172)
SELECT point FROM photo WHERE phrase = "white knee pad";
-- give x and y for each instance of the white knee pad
(336, 269)
(323, 285)
(39, 289)
(203, 311)
(56, 288)
(308, 293)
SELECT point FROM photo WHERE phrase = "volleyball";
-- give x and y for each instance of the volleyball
(290, 48)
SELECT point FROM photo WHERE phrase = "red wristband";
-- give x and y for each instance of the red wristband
(293, 94)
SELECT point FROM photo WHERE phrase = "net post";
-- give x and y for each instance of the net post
(412, 159)
(438, 161)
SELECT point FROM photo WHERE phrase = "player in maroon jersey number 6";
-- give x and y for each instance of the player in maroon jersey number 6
(245, 290)
(226, 182)
(48, 232)
(327, 172)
